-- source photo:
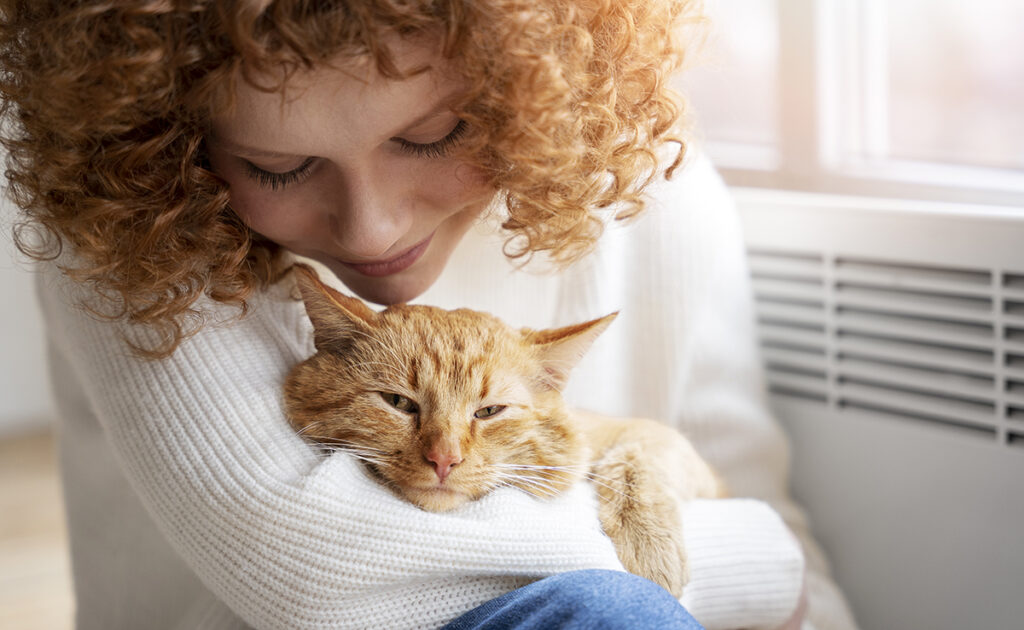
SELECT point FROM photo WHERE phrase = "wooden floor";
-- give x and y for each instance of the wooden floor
(35, 573)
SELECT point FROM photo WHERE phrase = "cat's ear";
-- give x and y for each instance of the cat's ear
(561, 349)
(336, 317)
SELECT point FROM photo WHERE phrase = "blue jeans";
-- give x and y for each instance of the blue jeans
(581, 600)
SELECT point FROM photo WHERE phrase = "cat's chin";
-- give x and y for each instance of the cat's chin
(436, 499)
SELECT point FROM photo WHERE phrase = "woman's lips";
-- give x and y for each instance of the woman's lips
(393, 265)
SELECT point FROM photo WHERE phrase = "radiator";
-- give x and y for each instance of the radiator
(892, 334)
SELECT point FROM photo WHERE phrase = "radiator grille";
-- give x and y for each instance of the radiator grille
(942, 345)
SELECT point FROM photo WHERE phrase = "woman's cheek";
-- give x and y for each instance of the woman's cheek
(279, 217)
(456, 185)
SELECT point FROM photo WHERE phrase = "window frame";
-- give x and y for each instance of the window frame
(832, 91)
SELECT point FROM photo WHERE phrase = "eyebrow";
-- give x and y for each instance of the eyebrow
(241, 149)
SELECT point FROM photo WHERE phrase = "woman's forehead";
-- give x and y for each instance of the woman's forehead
(348, 97)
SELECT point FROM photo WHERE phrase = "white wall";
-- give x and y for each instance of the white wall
(25, 400)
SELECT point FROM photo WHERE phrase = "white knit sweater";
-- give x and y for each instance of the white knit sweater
(192, 504)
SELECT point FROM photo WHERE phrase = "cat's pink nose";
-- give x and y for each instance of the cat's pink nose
(444, 461)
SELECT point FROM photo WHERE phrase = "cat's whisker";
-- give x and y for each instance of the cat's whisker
(600, 480)
(541, 485)
(342, 442)
(547, 475)
(309, 426)
(565, 472)
(533, 482)
(510, 484)
(366, 454)
(363, 458)
(570, 468)
(515, 482)
(594, 480)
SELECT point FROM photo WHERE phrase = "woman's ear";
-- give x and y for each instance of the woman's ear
(336, 317)
(560, 349)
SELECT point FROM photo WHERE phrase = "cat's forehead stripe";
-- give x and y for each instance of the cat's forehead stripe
(414, 373)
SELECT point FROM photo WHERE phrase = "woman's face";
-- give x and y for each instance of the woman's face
(353, 170)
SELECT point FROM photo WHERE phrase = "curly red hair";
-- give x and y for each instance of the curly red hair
(106, 105)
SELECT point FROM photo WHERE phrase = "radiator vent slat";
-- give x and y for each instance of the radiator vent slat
(953, 307)
(788, 315)
(899, 360)
(886, 345)
(911, 278)
(921, 329)
(1015, 346)
(946, 421)
(792, 335)
(788, 291)
(807, 387)
(952, 411)
(896, 272)
(782, 390)
(915, 398)
(1013, 281)
(948, 383)
(794, 359)
(939, 344)
(940, 327)
(1014, 319)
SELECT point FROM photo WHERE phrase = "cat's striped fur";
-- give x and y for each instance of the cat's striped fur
(446, 406)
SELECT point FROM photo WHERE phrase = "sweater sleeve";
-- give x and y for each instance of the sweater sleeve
(686, 331)
(284, 537)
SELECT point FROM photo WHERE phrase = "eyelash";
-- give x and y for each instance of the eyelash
(442, 147)
(435, 149)
(272, 180)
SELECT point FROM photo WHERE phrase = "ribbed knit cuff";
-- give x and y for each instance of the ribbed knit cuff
(746, 568)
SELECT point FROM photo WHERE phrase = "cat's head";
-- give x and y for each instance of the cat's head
(443, 406)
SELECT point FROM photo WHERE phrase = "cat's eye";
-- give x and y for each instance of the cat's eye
(488, 412)
(400, 402)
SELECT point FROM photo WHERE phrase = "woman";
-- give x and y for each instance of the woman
(181, 152)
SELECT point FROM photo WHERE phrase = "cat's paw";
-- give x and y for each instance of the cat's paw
(641, 516)
(661, 558)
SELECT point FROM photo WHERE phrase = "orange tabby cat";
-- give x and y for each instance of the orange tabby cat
(445, 406)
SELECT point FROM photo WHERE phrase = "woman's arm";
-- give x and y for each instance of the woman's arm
(685, 339)
(286, 538)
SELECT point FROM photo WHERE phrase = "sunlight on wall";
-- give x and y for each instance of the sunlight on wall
(25, 399)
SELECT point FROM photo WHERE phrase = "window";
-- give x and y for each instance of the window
(955, 89)
(903, 98)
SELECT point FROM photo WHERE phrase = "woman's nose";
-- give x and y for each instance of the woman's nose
(368, 216)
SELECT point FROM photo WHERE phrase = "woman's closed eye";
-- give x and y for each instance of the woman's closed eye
(438, 148)
(277, 180)
(274, 180)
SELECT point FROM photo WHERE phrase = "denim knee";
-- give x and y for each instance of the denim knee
(591, 600)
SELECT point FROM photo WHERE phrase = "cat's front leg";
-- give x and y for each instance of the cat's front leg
(641, 516)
